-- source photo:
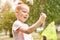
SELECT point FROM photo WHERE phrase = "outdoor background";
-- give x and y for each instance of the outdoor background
(7, 17)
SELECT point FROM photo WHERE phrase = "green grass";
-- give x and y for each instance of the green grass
(7, 39)
(35, 36)
(58, 36)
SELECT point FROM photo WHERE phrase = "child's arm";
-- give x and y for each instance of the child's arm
(34, 26)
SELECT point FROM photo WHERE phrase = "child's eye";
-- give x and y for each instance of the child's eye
(24, 11)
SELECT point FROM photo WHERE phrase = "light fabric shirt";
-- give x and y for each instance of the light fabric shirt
(17, 35)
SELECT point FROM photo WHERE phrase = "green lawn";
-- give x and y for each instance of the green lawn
(36, 36)
(7, 39)
(58, 36)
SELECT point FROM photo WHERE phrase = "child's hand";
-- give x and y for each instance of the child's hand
(42, 17)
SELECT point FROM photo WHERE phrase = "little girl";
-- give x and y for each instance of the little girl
(21, 30)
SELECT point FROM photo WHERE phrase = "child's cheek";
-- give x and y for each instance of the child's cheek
(28, 15)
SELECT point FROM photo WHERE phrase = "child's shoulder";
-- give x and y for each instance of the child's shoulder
(16, 22)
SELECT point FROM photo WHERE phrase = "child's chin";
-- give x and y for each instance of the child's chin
(25, 20)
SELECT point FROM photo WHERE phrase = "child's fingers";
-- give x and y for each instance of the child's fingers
(43, 14)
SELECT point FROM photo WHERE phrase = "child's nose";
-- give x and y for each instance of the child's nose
(26, 15)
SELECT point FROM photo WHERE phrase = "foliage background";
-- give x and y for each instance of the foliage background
(50, 7)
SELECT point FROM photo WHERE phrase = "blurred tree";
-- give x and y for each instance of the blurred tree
(8, 18)
(7, 21)
(53, 10)
(50, 7)
(35, 10)
(6, 7)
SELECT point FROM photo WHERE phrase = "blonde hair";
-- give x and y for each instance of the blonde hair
(20, 6)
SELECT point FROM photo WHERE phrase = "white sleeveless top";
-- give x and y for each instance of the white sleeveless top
(19, 35)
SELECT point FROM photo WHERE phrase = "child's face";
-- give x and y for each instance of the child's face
(23, 13)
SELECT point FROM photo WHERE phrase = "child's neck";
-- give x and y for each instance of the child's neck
(20, 21)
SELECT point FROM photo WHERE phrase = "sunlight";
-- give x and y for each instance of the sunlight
(12, 3)
(2, 2)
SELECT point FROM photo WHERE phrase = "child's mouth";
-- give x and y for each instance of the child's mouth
(25, 17)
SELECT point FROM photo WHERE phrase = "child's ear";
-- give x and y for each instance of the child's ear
(17, 15)
(18, 8)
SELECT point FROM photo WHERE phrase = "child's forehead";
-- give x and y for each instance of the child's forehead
(24, 6)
